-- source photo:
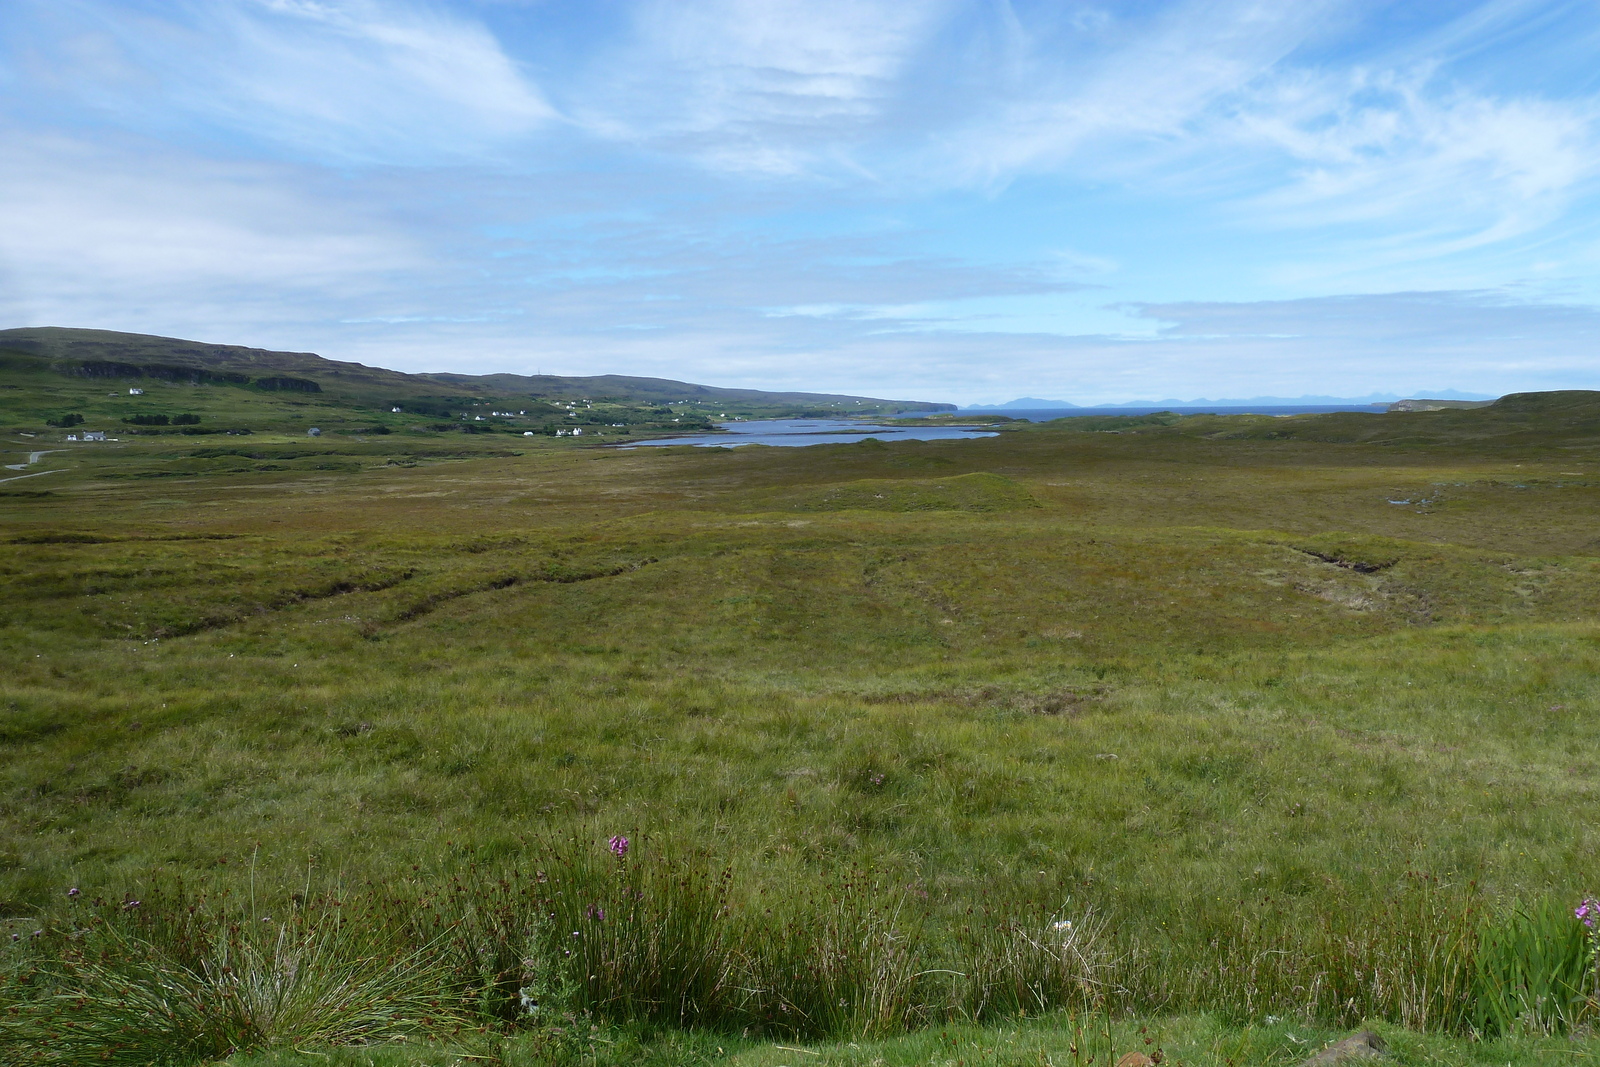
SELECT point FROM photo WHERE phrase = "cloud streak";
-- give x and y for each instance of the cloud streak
(337, 80)
(143, 239)
(768, 87)
(1461, 169)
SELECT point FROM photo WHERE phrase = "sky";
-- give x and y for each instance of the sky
(940, 200)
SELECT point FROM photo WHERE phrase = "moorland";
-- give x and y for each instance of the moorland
(1219, 736)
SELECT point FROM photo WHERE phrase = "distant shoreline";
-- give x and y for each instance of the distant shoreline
(1047, 414)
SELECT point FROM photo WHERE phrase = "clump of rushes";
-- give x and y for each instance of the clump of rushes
(662, 935)
(1013, 966)
(844, 955)
(643, 940)
(183, 979)
(652, 933)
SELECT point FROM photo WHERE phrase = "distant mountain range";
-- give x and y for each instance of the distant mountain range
(1036, 403)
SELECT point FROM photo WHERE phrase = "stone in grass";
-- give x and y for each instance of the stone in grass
(1135, 1059)
(1360, 1046)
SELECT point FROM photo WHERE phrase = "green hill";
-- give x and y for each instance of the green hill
(667, 391)
(103, 355)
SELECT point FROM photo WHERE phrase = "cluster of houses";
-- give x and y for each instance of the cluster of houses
(100, 435)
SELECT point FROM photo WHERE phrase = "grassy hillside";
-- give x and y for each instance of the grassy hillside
(107, 354)
(751, 402)
(46, 373)
(1287, 718)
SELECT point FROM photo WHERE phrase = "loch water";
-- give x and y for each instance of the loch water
(791, 433)
(1047, 414)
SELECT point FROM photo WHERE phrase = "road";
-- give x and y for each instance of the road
(33, 457)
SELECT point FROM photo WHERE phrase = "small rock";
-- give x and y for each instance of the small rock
(1135, 1059)
(1364, 1045)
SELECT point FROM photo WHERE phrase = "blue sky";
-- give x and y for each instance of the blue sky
(960, 201)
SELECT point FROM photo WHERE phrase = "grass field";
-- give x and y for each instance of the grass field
(1294, 721)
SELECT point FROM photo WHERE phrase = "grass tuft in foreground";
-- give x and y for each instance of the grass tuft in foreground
(632, 934)
(181, 980)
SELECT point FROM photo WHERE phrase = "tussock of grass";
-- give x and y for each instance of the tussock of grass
(637, 935)
(183, 981)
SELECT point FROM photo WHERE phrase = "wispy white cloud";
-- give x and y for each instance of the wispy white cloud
(1232, 104)
(1449, 169)
(376, 75)
(139, 240)
(385, 81)
(1113, 94)
(760, 86)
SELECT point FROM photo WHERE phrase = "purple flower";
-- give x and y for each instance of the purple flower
(73, 892)
(130, 905)
(1588, 912)
(618, 846)
(596, 912)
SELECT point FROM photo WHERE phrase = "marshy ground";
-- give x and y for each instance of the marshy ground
(1279, 712)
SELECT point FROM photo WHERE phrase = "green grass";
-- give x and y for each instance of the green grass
(877, 717)
(1064, 1041)
(184, 984)
(1535, 971)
